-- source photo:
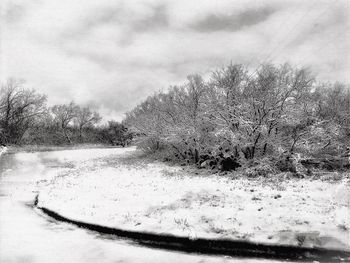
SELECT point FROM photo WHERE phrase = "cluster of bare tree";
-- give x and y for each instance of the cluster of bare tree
(237, 117)
(25, 118)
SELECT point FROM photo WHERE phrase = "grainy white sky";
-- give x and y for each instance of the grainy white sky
(113, 54)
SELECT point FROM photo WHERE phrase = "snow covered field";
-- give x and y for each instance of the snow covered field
(124, 191)
(26, 235)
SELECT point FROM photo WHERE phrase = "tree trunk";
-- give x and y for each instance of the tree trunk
(67, 136)
(81, 134)
(196, 156)
(265, 147)
(252, 155)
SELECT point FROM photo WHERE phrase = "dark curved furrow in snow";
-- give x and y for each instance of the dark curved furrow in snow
(235, 248)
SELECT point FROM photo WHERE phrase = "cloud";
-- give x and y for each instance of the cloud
(233, 22)
(113, 54)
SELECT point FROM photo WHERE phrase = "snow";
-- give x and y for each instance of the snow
(26, 235)
(3, 149)
(120, 189)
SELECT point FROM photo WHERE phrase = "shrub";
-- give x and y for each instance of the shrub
(260, 168)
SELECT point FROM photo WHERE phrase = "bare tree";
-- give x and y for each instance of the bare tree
(18, 109)
(237, 115)
(85, 117)
(64, 115)
(189, 102)
(255, 107)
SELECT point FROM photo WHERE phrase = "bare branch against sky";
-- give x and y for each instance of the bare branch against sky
(113, 54)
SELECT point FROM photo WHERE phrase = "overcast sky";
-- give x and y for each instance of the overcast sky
(113, 54)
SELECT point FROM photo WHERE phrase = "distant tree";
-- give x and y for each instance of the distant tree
(119, 133)
(19, 107)
(147, 120)
(44, 131)
(115, 133)
(85, 117)
(64, 115)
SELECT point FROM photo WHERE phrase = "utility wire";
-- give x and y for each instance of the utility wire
(314, 20)
(266, 47)
(290, 31)
(332, 38)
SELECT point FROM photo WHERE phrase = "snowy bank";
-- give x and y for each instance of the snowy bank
(3, 149)
(125, 192)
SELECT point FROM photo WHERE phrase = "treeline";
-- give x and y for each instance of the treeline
(25, 118)
(271, 116)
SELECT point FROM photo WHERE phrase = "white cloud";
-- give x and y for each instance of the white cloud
(115, 53)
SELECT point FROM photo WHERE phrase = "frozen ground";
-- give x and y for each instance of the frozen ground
(120, 189)
(28, 236)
